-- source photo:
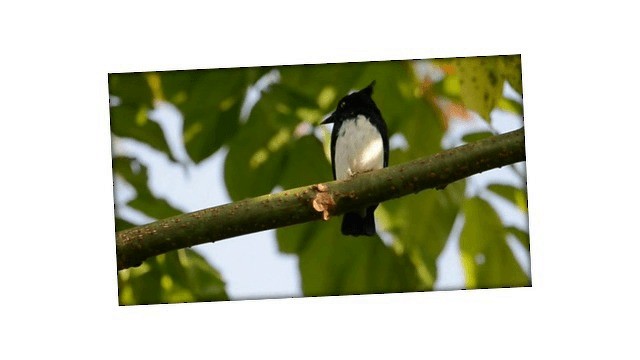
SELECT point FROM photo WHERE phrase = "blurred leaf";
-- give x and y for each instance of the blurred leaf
(487, 259)
(510, 105)
(511, 67)
(207, 132)
(175, 277)
(482, 225)
(476, 136)
(210, 102)
(513, 194)
(448, 86)
(132, 89)
(135, 174)
(311, 80)
(131, 170)
(285, 95)
(292, 239)
(422, 223)
(257, 154)
(154, 207)
(522, 236)
(332, 264)
(131, 122)
(177, 85)
(305, 164)
(481, 83)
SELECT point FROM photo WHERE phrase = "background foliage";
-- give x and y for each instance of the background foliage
(279, 145)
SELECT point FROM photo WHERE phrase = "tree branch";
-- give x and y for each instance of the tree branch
(316, 202)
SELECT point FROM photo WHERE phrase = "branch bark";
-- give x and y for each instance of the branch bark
(316, 202)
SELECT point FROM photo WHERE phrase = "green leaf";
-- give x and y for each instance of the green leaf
(207, 132)
(448, 86)
(132, 122)
(305, 164)
(136, 174)
(511, 67)
(487, 259)
(332, 264)
(513, 194)
(210, 102)
(131, 170)
(510, 105)
(132, 89)
(482, 225)
(481, 83)
(311, 80)
(257, 154)
(175, 277)
(154, 207)
(476, 136)
(421, 225)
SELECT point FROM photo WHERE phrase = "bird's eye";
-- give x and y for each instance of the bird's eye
(342, 104)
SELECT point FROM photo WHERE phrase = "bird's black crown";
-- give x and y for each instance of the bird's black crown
(357, 103)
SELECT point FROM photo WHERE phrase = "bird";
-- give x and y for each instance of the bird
(359, 143)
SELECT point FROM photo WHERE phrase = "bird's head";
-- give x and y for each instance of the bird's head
(359, 102)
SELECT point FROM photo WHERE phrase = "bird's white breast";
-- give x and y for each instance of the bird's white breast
(358, 148)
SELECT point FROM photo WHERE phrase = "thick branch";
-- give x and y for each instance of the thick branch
(316, 202)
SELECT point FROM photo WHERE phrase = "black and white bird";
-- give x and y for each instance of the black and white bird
(359, 143)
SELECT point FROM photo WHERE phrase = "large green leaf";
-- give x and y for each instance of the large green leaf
(487, 259)
(257, 154)
(511, 67)
(214, 93)
(333, 264)
(132, 122)
(450, 84)
(175, 277)
(305, 164)
(481, 83)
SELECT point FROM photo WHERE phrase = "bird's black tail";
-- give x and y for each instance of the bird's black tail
(355, 225)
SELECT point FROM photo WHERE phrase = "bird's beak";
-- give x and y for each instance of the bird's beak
(328, 120)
